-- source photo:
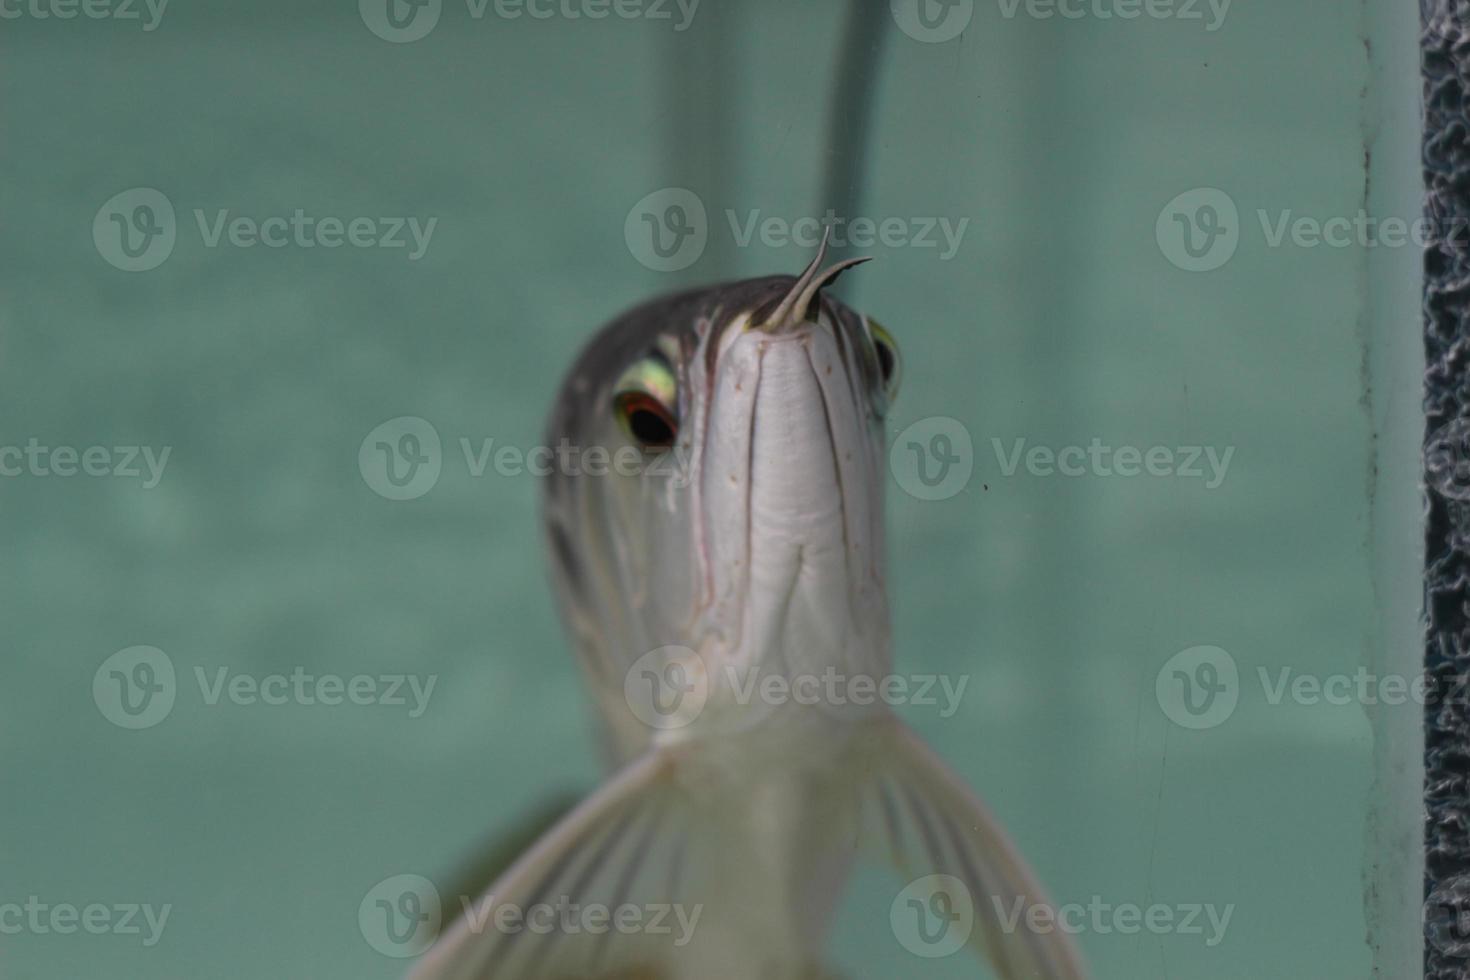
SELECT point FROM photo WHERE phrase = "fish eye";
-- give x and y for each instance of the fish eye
(890, 367)
(644, 403)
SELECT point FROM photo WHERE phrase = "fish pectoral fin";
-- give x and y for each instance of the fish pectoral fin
(620, 847)
(965, 873)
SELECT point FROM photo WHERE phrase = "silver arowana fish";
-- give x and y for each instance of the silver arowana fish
(757, 551)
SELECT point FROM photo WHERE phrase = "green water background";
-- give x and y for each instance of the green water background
(1058, 320)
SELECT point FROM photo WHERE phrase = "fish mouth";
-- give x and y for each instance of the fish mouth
(795, 487)
(790, 501)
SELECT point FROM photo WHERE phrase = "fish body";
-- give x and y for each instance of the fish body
(725, 597)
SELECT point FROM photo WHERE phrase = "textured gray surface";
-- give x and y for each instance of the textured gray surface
(1447, 420)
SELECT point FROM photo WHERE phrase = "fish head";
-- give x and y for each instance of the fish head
(750, 527)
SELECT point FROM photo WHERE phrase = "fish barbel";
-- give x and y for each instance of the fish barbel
(746, 546)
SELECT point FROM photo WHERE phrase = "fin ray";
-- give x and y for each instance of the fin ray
(595, 854)
(917, 799)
